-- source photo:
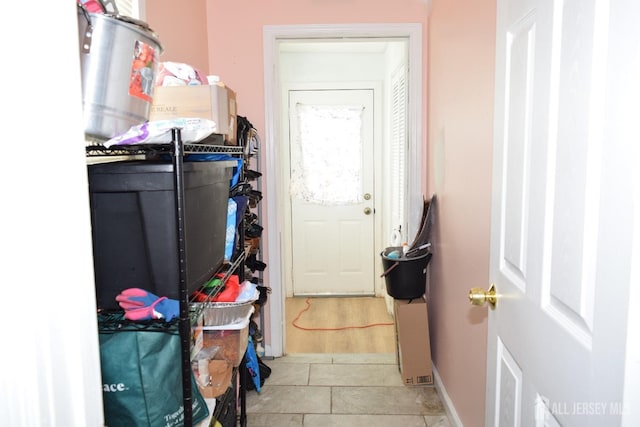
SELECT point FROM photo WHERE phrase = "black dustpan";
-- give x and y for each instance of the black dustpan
(423, 238)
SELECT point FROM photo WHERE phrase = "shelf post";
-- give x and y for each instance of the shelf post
(185, 323)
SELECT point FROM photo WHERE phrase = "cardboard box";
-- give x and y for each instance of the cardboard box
(219, 373)
(212, 102)
(412, 339)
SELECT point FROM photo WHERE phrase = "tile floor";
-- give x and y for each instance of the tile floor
(343, 390)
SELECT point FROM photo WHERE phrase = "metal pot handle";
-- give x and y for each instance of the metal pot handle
(109, 6)
(88, 32)
(86, 37)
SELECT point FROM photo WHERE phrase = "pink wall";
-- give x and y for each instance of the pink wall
(460, 39)
(182, 30)
(235, 35)
(461, 76)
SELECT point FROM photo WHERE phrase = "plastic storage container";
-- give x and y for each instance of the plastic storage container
(232, 339)
(134, 231)
(405, 277)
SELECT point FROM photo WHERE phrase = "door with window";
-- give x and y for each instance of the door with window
(332, 191)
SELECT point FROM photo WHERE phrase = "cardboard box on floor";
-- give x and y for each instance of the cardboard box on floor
(413, 349)
(213, 102)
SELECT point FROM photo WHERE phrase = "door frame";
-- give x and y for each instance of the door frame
(275, 243)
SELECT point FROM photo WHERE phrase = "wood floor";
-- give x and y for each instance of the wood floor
(338, 325)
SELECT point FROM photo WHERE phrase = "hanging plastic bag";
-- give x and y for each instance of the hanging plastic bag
(230, 234)
(252, 364)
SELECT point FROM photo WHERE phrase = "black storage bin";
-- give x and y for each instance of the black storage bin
(133, 214)
(405, 277)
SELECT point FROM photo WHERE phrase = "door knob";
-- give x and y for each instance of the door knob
(367, 211)
(478, 296)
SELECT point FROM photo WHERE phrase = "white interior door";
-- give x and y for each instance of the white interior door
(332, 192)
(561, 249)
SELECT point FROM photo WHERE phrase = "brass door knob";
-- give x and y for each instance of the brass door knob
(478, 296)
(367, 211)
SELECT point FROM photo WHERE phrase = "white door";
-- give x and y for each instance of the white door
(562, 221)
(332, 194)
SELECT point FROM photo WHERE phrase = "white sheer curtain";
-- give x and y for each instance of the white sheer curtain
(326, 155)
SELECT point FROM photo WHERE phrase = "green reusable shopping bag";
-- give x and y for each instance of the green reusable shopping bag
(142, 374)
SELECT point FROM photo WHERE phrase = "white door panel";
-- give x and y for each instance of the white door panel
(559, 221)
(332, 196)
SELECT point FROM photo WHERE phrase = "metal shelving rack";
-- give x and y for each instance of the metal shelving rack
(178, 150)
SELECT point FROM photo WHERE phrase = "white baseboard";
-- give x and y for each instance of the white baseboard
(454, 419)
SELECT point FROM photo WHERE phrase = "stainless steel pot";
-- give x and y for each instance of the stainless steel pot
(118, 58)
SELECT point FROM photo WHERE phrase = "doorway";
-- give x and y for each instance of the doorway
(306, 40)
(332, 197)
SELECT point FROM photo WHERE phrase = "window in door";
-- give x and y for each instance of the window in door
(327, 154)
